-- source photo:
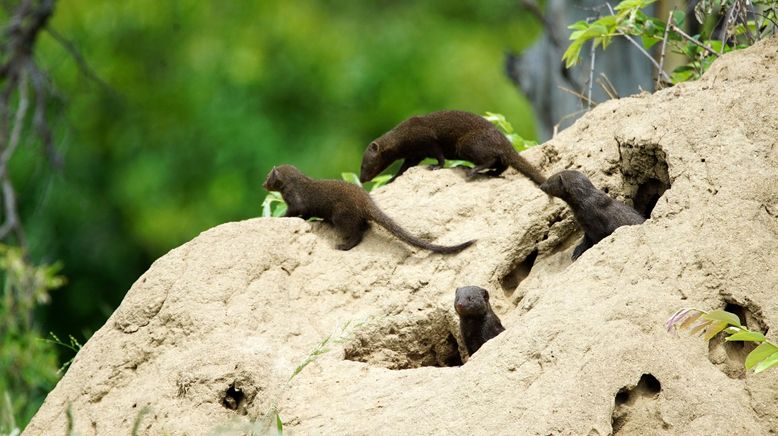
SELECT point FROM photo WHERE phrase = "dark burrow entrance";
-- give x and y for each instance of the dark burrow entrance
(517, 273)
(646, 177)
(730, 356)
(407, 342)
(234, 399)
(647, 195)
(635, 408)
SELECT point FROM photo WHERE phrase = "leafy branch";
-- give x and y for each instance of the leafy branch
(739, 24)
(711, 323)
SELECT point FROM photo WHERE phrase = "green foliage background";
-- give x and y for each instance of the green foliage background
(201, 98)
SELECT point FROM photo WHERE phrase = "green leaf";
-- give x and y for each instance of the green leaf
(767, 363)
(379, 181)
(459, 163)
(679, 18)
(351, 178)
(714, 44)
(760, 353)
(273, 205)
(279, 425)
(578, 25)
(500, 122)
(723, 316)
(650, 41)
(746, 335)
(573, 53)
(714, 329)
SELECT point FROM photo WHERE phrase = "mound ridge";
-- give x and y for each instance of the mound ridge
(212, 331)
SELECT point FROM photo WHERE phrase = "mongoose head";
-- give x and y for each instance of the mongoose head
(372, 162)
(471, 301)
(279, 175)
(565, 182)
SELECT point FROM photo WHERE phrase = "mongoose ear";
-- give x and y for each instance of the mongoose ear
(562, 182)
(374, 147)
(486, 294)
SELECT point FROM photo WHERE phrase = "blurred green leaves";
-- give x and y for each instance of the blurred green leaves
(206, 96)
(28, 366)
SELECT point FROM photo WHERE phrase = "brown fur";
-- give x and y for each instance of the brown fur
(477, 321)
(344, 205)
(445, 135)
(596, 213)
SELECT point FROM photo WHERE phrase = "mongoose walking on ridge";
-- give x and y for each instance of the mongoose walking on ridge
(596, 213)
(477, 321)
(344, 205)
(445, 135)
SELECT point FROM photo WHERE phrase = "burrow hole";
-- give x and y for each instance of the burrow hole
(407, 342)
(517, 273)
(730, 357)
(634, 408)
(234, 399)
(647, 195)
(644, 168)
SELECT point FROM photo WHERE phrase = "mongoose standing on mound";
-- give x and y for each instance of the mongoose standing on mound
(477, 321)
(596, 213)
(445, 135)
(344, 205)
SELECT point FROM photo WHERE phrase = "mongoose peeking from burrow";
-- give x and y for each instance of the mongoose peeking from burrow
(445, 135)
(477, 321)
(344, 205)
(596, 213)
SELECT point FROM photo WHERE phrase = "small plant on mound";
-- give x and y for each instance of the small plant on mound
(711, 323)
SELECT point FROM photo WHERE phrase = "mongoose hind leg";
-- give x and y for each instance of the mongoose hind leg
(585, 244)
(441, 160)
(497, 170)
(476, 172)
(351, 228)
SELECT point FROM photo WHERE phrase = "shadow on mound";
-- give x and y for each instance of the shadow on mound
(406, 342)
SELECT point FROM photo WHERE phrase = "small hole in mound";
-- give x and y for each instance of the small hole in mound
(636, 410)
(233, 398)
(649, 385)
(730, 356)
(647, 195)
(645, 172)
(422, 339)
(518, 272)
(622, 397)
(738, 310)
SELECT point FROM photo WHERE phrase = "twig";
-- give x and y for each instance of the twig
(574, 114)
(727, 21)
(533, 8)
(642, 50)
(607, 87)
(692, 40)
(39, 119)
(592, 54)
(583, 98)
(553, 34)
(661, 66)
(82, 64)
(743, 15)
(12, 223)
